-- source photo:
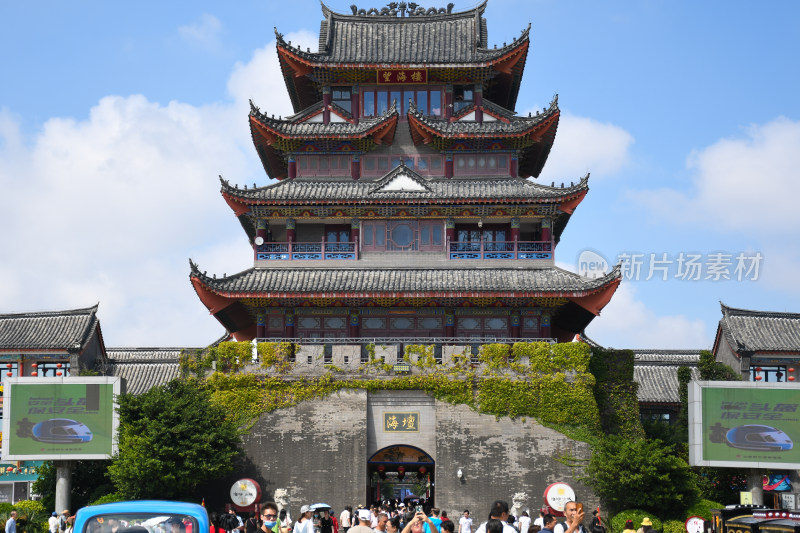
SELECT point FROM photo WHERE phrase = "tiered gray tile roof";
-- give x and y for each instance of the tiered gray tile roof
(143, 368)
(494, 128)
(295, 127)
(49, 330)
(332, 189)
(434, 39)
(373, 281)
(754, 331)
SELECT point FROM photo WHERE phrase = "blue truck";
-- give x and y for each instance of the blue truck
(146, 516)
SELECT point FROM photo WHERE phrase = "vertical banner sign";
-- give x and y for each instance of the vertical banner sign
(60, 418)
(744, 424)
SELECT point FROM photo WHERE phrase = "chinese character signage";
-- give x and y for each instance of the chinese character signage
(60, 418)
(744, 424)
(401, 422)
(400, 76)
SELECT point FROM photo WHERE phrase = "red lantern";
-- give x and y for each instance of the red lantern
(34, 374)
(791, 378)
(9, 469)
(381, 468)
(401, 472)
(9, 374)
(758, 378)
(58, 373)
(9, 365)
(791, 369)
(422, 470)
(59, 365)
(35, 365)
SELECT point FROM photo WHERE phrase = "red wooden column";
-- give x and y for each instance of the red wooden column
(449, 233)
(547, 233)
(292, 172)
(355, 167)
(478, 99)
(326, 104)
(545, 329)
(354, 324)
(515, 323)
(448, 166)
(289, 324)
(261, 324)
(261, 229)
(449, 323)
(355, 104)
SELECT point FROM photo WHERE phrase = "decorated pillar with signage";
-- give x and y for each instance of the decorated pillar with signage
(545, 325)
(261, 324)
(354, 324)
(450, 323)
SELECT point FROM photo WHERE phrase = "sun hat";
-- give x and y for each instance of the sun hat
(646, 521)
(304, 509)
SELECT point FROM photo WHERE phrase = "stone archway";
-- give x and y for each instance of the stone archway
(400, 471)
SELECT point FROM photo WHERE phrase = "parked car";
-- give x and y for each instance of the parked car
(146, 516)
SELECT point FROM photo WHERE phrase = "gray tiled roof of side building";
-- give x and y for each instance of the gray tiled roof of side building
(455, 38)
(385, 280)
(48, 330)
(659, 383)
(143, 368)
(666, 357)
(750, 330)
(345, 188)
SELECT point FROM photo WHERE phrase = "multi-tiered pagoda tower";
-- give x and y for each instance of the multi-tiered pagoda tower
(403, 205)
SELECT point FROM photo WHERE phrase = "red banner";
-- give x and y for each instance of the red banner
(399, 76)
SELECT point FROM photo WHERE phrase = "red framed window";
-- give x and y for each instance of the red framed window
(376, 101)
(481, 165)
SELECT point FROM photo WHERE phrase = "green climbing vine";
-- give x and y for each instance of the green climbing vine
(549, 383)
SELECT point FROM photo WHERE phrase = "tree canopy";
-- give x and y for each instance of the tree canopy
(172, 440)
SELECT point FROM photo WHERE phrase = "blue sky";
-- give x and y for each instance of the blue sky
(116, 119)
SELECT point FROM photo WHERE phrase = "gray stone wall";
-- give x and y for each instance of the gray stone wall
(318, 451)
(315, 450)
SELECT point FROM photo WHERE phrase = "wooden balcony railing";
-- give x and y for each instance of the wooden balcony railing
(501, 250)
(295, 251)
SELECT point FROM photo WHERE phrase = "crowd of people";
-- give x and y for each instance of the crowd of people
(410, 516)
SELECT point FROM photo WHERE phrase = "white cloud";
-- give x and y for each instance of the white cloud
(739, 183)
(260, 79)
(585, 145)
(627, 322)
(109, 209)
(203, 33)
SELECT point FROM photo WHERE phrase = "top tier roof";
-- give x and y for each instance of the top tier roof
(760, 331)
(429, 36)
(410, 37)
(68, 330)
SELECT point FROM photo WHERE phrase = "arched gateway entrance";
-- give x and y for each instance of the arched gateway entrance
(400, 471)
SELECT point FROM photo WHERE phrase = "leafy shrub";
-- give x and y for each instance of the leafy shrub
(703, 508)
(637, 515)
(674, 526)
(108, 498)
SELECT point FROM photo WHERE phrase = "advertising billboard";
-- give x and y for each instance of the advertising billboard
(60, 418)
(744, 424)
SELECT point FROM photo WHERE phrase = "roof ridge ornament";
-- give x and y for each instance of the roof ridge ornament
(404, 9)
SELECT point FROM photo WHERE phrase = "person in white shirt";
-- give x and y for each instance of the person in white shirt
(499, 511)
(344, 519)
(524, 522)
(53, 522)
(465, 523)
(539, 521)
(574, 523)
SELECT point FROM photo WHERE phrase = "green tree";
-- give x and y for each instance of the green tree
(639, 473)
(172, 440)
